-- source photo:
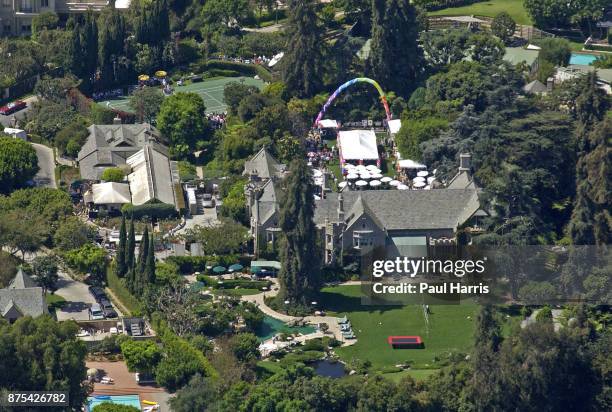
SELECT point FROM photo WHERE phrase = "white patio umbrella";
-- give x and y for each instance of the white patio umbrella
(386, 179)
(422, 173)
(371, 167)
(360, 168)
(342, 185)
(365, 175)
(352, 176)
(394, 183)
(376, 176)
(375, 183)
(419, 185)
(402, 187)
(418, 179)
(361, 183)
(374, 170)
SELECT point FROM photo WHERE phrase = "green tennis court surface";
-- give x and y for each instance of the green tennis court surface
(210, 90)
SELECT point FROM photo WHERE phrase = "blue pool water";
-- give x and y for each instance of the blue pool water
(271, 326)
(129, 400)
(584, 59)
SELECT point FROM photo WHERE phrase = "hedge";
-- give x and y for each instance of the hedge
(231, 69)
(120, 291)
(234, 283)
(150, 210)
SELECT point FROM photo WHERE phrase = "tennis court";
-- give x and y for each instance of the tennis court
(210, 90)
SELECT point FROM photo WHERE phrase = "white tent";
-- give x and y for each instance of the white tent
(358, 145)
(411, 164)
(276, 59)
(111, 193)
(328, 124)
(394, 125)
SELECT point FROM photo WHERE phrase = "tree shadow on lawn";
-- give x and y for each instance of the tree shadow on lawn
(339, 303)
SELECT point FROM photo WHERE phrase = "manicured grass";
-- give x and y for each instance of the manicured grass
(55, 301)
(416, 374)
(450, 330)
(489, 8)
(238, 292)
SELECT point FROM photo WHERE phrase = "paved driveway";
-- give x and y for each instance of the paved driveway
(46, 163)
(78, 298)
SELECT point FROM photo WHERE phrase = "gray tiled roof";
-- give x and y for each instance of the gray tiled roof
(29, 301)
(264, 165)
(405, 209)
(22, 281)
(110, 145)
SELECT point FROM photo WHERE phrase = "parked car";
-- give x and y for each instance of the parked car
(207, 200)
(13, 107)
(107, 309)
(98, 293)
(95, 312)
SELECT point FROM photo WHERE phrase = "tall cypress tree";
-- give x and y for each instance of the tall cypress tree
(395, 58)
(139, 276)
(591, 220)
(130, 246)
(121, 261)
(299, 276)
(303, 61)
(150, 264)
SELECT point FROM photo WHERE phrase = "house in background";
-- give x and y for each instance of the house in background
(264, 173)
(22, 298)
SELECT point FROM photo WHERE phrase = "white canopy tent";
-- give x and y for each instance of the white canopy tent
(394, 125)
(358, 145)
(328, 124)
(410, 164)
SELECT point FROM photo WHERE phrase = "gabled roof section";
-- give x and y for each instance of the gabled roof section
(22, 281)
(152, 177)
(360, 208)
(264, 165)
(28, 301)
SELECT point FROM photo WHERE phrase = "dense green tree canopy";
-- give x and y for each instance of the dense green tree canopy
(182, 120)
(43, 355)
(146, 102)
(18, 163)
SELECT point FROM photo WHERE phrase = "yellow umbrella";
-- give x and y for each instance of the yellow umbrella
(160, 73)
(143, 77)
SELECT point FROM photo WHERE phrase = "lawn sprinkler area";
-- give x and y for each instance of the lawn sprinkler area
(210, 90)
(450, 329)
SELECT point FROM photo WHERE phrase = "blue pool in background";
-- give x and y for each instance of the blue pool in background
(129, 400)
(584, 59)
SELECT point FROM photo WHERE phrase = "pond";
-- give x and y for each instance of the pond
(271, 326)
(582, 58)
(330, 369)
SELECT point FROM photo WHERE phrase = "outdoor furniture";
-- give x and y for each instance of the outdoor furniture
(394, 183)
(418, 179)
(377, 176)
(365, 176)
(218, 270)
(342, 320)
(371, 167)
(361, 183)
(236, 267)
(419, 185)
(402, 187)
(352, 176)
(386, 179)
(422, 173)
(375, 183)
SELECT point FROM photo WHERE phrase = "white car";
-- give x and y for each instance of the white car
(207, 200)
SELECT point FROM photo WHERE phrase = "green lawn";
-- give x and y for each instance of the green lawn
(490, 9)
(54, 302)
(449, 330)
(237, 292)
(416, 374)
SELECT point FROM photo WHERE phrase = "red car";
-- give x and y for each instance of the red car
(13, 107)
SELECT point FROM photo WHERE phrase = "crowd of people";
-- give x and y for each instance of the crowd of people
(216, 120)
(108, 94)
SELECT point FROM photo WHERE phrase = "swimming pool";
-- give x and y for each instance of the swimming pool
(271, 326)
(129, 400)
(584, 59)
